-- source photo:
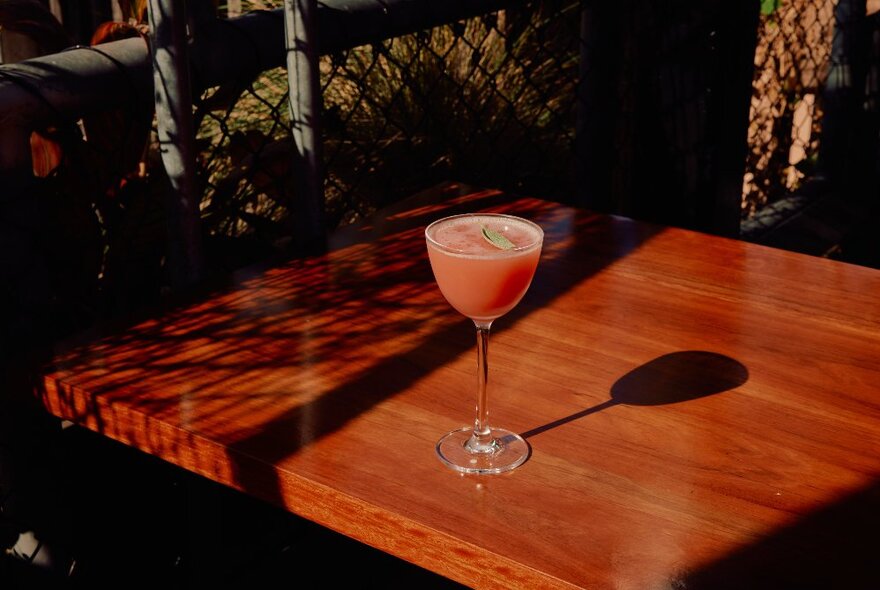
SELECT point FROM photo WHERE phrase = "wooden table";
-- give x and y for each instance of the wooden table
(702, 412)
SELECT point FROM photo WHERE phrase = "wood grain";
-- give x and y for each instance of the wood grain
(703, 412)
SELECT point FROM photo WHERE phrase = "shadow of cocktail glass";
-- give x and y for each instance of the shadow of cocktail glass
(672, 378)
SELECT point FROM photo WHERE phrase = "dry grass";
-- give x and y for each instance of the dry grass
(485, 101)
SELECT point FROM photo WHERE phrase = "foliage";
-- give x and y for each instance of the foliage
(770, 6)
(489, 101)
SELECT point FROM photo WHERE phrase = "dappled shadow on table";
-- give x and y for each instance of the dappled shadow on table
(292, 353)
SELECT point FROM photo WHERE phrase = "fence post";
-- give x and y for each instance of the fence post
(174, 115)
(872, 74)
(595, 96)
(734, 40)
(301, 43)
(843, 94)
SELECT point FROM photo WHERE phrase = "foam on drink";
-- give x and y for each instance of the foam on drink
(464, 235)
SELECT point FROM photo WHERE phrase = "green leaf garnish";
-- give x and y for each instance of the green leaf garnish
(496, 239)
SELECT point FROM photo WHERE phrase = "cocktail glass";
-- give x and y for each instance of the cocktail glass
(483, 264)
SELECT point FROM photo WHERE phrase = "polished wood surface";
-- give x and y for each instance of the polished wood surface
(703, 412)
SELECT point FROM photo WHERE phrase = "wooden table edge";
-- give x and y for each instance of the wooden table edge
(343, 513)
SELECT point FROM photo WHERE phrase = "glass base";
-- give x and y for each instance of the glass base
(508, 450)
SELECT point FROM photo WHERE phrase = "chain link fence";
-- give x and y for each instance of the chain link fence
(489, 100)
(792, 61)
(808, 50)
(492, 101)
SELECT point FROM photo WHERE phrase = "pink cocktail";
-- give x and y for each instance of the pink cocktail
(483, 264)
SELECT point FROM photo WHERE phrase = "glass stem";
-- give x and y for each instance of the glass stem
(481, 440)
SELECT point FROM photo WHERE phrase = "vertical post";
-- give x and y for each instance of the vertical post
(595, 106)
(116, 11)
(732, 40)
(55, 9)
(307, 208)
(174, 115)
(872, 89)
(843, 93)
